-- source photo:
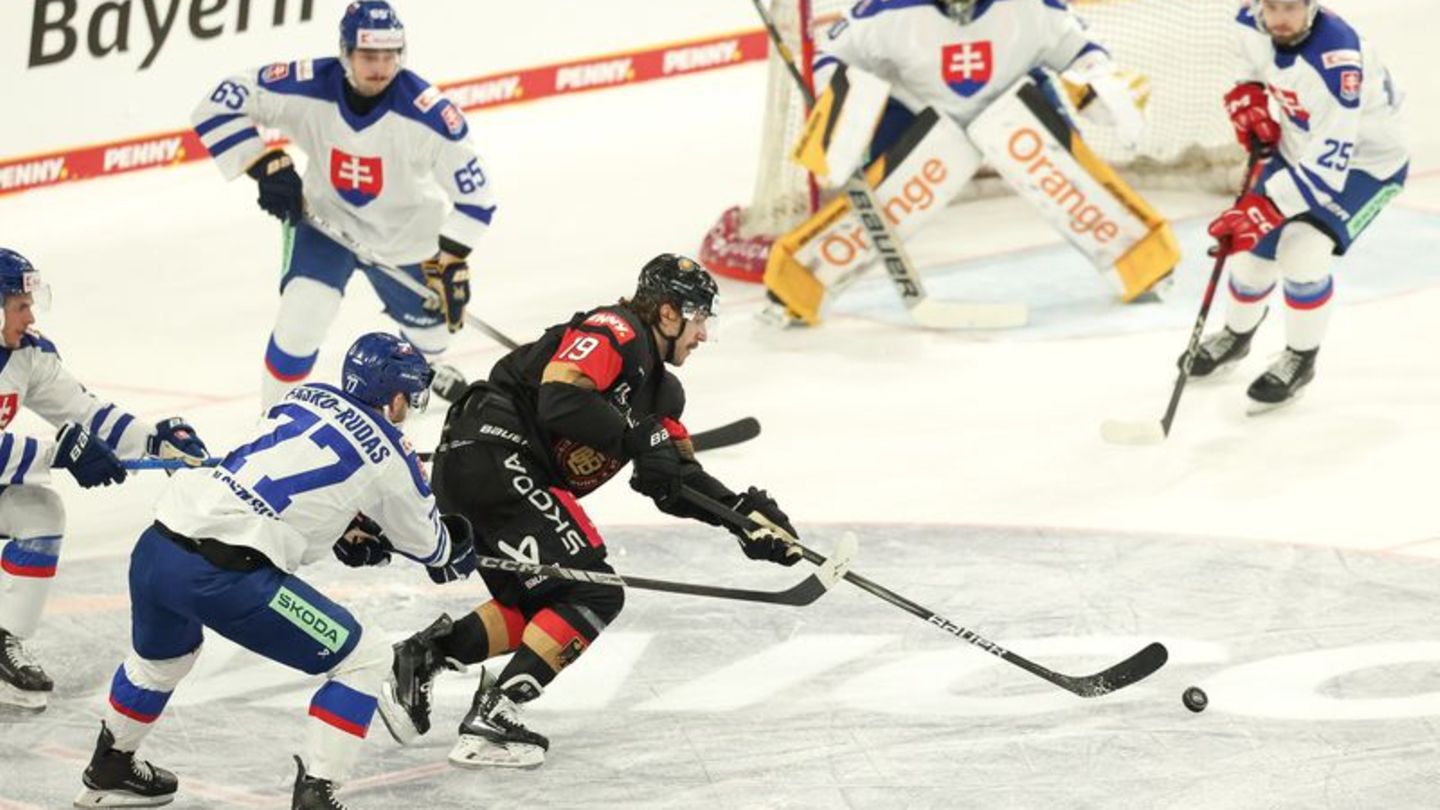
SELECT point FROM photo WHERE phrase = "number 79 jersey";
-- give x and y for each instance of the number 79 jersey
(318, 458)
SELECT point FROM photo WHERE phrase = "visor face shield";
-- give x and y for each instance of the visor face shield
(703, 317)
(420, 400)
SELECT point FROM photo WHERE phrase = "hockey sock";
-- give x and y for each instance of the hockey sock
(138, 694)
(1251, 280)
(341, 710)
(489, 630)
(27, 569)
(552, 641)
(307, 308)
(1305, 256)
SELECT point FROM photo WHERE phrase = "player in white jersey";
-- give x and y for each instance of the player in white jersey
(965, 62)
(326, 463)
(1318, 95)
(391, 164)
(94, 435)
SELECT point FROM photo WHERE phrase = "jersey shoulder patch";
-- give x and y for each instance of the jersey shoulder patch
(615, 323)
(307, 77)
(874, 8)
(1334, 50)
(421, 101)
(1246, 18)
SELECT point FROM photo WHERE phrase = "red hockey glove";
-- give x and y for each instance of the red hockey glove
(1249, 109)
(1241, 228)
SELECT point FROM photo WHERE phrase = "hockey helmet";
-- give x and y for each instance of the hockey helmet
(19, 277)
(958, 10)
(379, 365)
(370, 24)
(1312, 8)
(681, 282)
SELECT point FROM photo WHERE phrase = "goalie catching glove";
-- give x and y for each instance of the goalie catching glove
(449, 276)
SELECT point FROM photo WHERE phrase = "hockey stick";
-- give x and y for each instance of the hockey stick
(802, 593)
(1135, 668)
(400, 277)
(1119, 431)
(165, 463)
(924, 310)
(741, 430)
(731, 433)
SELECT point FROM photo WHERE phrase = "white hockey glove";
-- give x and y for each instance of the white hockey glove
(1123, 95)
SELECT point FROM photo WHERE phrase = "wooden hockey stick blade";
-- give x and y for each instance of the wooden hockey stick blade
(165, 463)
(741, 430)
(1137, 667)
(935, 314)
(1119, 431)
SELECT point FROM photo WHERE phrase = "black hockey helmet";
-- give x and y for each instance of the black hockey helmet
(681, 282)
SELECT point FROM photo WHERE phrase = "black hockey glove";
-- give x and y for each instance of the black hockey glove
(174, 438)
(281, 191)
(659, 468)
(773, 537)
(461, 563)
(449, 277)
(363, 544)
(89, 459)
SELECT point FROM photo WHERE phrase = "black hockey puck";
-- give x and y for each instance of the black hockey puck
(1195, 699)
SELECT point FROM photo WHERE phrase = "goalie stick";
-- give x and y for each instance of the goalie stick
(400, 277)
(1135, 668)
(1119, 431)
(802, 593)
(924, 310)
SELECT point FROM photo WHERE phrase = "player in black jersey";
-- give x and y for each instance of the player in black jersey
(557, 419)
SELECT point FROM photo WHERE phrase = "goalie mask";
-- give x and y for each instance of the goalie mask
(378, 366)
(1311, 8)
(19, 277)
(961, 11)
(370, 25)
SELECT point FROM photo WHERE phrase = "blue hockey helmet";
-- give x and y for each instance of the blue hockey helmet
(19, 277)
(379, 365)
(370, 24)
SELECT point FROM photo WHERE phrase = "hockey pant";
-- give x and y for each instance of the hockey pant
(311, 289)
(520, 513)
(175, 592)
(1301, 252)
(32, 519)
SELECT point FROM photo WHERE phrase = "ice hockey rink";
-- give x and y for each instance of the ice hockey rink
(1288, 560)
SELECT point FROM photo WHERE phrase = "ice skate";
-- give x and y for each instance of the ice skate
(492, 736)
(1283, 382)
(24, 686)
(1221, 351)
(117, 779)
(405, 696)
(312, 793)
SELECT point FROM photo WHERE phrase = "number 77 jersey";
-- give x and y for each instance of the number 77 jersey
(317, 459)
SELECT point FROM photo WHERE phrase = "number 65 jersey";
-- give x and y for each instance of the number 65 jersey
(383, 177)
(1338, 108)
(318, 458)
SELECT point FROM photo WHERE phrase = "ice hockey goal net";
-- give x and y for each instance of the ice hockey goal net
(1182, 45)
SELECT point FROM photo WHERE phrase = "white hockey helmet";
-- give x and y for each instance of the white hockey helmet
(1312, 8)
(958, 10)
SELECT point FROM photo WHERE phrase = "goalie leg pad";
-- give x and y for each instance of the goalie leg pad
(916, 177)
(1042, 157)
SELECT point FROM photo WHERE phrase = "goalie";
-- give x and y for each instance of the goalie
(927, 90)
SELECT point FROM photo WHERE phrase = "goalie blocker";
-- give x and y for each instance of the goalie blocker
(1022, 135)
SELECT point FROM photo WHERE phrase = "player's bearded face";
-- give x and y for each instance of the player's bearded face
(695, 332)
(19, 315)
(1286, 20)
(372, 71)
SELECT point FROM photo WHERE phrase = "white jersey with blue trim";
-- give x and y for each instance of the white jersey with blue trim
(931, 60)
(31, 376)
(384, 177)
(318, 458)
(1337, 105)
